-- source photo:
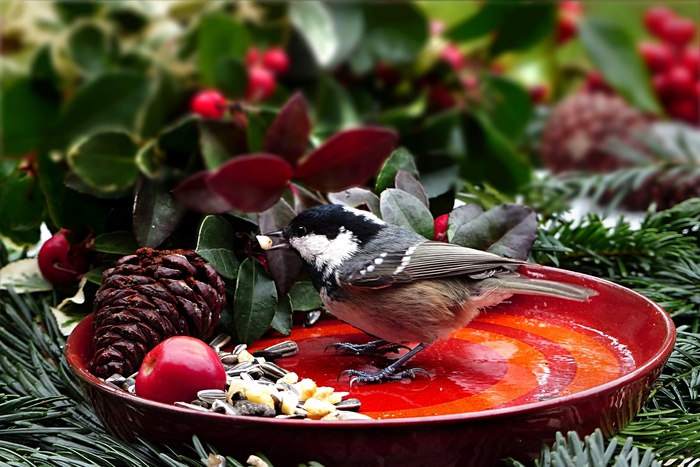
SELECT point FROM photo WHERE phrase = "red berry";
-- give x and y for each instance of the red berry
(686, 110)
(209, 104)
(677, 31)
(177, 368)
(658, 57)
(60, 263)
(275, 60)
(453, 56)
(440, 232)
(691, 60)
(440, 97)
(661, 86)
(655, 18)
(252, 57)
(566, 29)
(596, 83)
(539, 93)
(261, 83)
(680, 81)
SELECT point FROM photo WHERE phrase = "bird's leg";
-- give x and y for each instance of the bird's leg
(390, 373)
(379, 347)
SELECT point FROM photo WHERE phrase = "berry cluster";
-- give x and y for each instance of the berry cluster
(674, 63)
(568, 16)
(263, 69)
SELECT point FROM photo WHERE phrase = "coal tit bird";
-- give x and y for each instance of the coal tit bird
(398, 286)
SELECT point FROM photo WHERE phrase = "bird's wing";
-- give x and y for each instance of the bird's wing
(426, 260)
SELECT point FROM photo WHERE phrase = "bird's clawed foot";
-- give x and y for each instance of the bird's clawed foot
(387, 374)
(374, 348)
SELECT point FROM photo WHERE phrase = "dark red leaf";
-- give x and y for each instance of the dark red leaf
(347, 159)
(251, 183)
(288, 136)
(196, 195)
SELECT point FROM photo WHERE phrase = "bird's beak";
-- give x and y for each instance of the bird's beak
(273, 240)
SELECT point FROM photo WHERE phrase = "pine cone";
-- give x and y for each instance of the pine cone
(575, 132)
(148, 297)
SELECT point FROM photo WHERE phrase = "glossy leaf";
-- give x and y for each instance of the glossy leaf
(488, 19)
(314, 22)
(334, 109)
(349, 25)
(215, 243)
(408, 183)
(162, 96)
(156, 214)
(220, 140)
(121, 242)
(220, 36)
(459, 216)
(106, 161)
(282, 321)
(196, 195)
(22, 131)
(148, 160)
(21, 208)
(396, 32)
(305, 297)
(90, 48)
(179, 141)
(614, 53)
(347, 159)
(285, 265)
(523, 24)
(255, 301)
(231, 77)
(407, 211)
(400, 159)
(357, 197)
(288, 136)
(509, 105)
(506, 230)
(112, 100)
(251, 183)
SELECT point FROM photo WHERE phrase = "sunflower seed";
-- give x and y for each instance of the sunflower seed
(281, 350)
(219, 341)
(349, 404)
(312, 318)
(192, 406)
(211, 395)
(224, 408)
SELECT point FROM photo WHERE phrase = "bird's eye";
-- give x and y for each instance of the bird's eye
(301, 231)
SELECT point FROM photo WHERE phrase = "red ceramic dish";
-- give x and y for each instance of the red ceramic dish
(501, 387)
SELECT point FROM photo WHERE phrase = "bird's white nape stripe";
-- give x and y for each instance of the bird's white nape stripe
(366, 214)
(326, 254)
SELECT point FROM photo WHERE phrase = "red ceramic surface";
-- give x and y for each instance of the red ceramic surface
(500, 387)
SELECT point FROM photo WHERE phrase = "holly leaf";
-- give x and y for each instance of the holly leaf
(347, 159)
(407, 211)
(121, 242)
(106, 161)
(156, 214)
(614, 53)
(196, 195)
(408, 183)
(357, 197)
(507, 230)
(305, 297)
(401, 159)
(214, 244)
(255, 301)
(288, 136)
(251, 183)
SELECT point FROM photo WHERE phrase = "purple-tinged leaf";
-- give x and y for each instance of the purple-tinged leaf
(357, 197)
(507, 230)
(196, 195)
(251, 183)
(408, 183)
(407, 211)
(347, 159)
(288, 136)
(285, 266)
(461, 215)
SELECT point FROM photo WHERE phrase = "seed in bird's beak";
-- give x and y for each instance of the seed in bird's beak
(264, 241)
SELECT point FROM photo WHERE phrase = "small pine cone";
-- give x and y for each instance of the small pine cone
(578, 127)
(148, 297)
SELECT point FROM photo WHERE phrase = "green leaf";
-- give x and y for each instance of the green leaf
(488, 19)
(410, 184)
(90, 48)
(314, 22)
(159, 104)
(121, 242)
(282, 321)
(231, 77)
(156, 213)
(401, 159)
(220, 140)
(215, 243)
(148, 159)
(506, 230)
(407, 211)
(523, 24)
(220, 36)
(106, 161)
(255, 301)
(615, 55)
(23, 276)
(509, 105)
(349, 26)
(333, 108)
(396, 32)
(21, 208)
(27, 111)
(110, 101)
(305, 297)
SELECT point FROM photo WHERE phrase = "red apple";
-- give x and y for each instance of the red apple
(178, 368)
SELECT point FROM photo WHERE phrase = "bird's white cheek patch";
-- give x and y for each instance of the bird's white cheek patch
(325, 254)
